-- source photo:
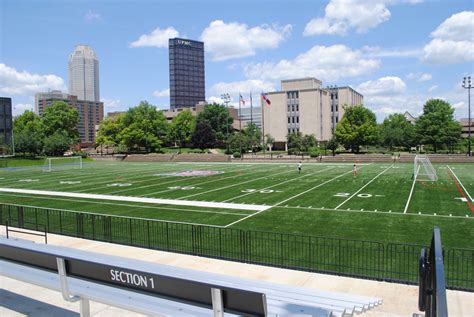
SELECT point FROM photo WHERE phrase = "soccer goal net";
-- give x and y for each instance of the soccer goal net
(62, 163)
(423, 169)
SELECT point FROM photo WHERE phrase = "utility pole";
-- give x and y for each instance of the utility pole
(226, 98)
(466, 84)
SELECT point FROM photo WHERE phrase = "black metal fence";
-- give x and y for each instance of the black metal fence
(395, 262)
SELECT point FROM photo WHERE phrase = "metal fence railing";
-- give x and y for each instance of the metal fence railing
(395, 262)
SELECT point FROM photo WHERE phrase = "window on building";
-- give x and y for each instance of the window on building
(297, 119)
(297, 107)
(337, 119)
(289, 120)
(292, 107)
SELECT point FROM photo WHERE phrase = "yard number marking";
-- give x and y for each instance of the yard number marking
(119, 185)
(183, 187)
(28, 180)
(363, 195)
(69, 182)
(261, 191)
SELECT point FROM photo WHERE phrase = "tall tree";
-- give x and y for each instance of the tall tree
(396, 131)
(294, 142)
(203, 136)
(219, 119)
(357, 127)
(28, 132)
(143, 127)
(109, 130)
(182, 127)
(436, 126)
(61, 117)
(332, 145)
(57, 143)
(308, 141)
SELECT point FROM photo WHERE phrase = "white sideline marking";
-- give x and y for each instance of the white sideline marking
(360, 189)
(314, 187)
(411, 191)
(459, 181)
(137, 199)
(289, 180)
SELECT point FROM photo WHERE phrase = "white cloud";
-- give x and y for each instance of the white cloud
(453, 40)
(112, 105)
(419, 76)
(21, 107)
(385, 86)
(432, 88)
(214, 99)
(92, 16)
(327, 63)
(13, 82)
(157, 38)
(162, 93)
(243, 87)
(236, 40)
(343, 15)
(374, 51)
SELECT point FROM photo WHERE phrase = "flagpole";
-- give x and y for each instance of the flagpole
(263, 124)
(251, 108)
(240, 125)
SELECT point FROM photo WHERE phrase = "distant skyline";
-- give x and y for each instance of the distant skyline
(397, 53)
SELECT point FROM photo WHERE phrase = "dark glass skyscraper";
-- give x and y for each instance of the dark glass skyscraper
(187, 81)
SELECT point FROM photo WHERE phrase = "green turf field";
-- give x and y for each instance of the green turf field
(382, 203)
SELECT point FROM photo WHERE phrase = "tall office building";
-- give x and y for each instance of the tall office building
(302, 105)
(91, 113)
(5, 123)
(84, 74)
(187, 81)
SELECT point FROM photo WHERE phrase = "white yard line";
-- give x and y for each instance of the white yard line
(411, 191)
(290, 180)
(118, 216)
(459, 181)
(138, 199)
(236, 184)
(317, 186)
(237, 221)
(360, 189)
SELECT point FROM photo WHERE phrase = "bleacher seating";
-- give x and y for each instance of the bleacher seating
(278, 299)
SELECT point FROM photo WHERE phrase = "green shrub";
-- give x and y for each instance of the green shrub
(236, 154)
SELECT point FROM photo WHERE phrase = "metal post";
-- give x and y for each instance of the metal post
(63, 281)
(240, 125)
(85, 308)
(226, 98)
(217, 302)
(466, 84)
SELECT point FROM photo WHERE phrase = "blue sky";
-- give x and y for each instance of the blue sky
(398, 53)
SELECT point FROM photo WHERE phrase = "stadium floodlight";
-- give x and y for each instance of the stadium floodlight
(466, 84)
(423, 170)
(61, 163)
(226, 98)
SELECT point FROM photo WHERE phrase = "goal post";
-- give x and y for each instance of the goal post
(63, 163)
(423, 170)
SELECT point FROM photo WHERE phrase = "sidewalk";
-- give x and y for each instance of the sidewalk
(20, 299)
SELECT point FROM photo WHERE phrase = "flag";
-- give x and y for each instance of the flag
(242, 100)
(264, 96)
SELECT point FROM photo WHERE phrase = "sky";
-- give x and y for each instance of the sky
(397, 53)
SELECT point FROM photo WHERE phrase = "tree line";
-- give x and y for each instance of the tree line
(145, 129)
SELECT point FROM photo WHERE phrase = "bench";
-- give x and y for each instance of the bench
(153, 289)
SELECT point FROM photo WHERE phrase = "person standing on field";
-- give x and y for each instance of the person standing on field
(355, 170)
(299, 167)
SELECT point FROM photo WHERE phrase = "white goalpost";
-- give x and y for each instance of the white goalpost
(423, 170)
(62, 163)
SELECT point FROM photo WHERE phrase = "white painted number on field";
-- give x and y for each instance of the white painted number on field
(183, 187)
(119, 185)
(69, 182)
(261, 191)
(345, 195)
(28, 180)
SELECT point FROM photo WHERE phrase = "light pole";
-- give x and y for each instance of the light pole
(466, 84)
(226, 98)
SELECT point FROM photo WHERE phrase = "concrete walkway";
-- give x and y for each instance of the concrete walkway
(20, 299)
